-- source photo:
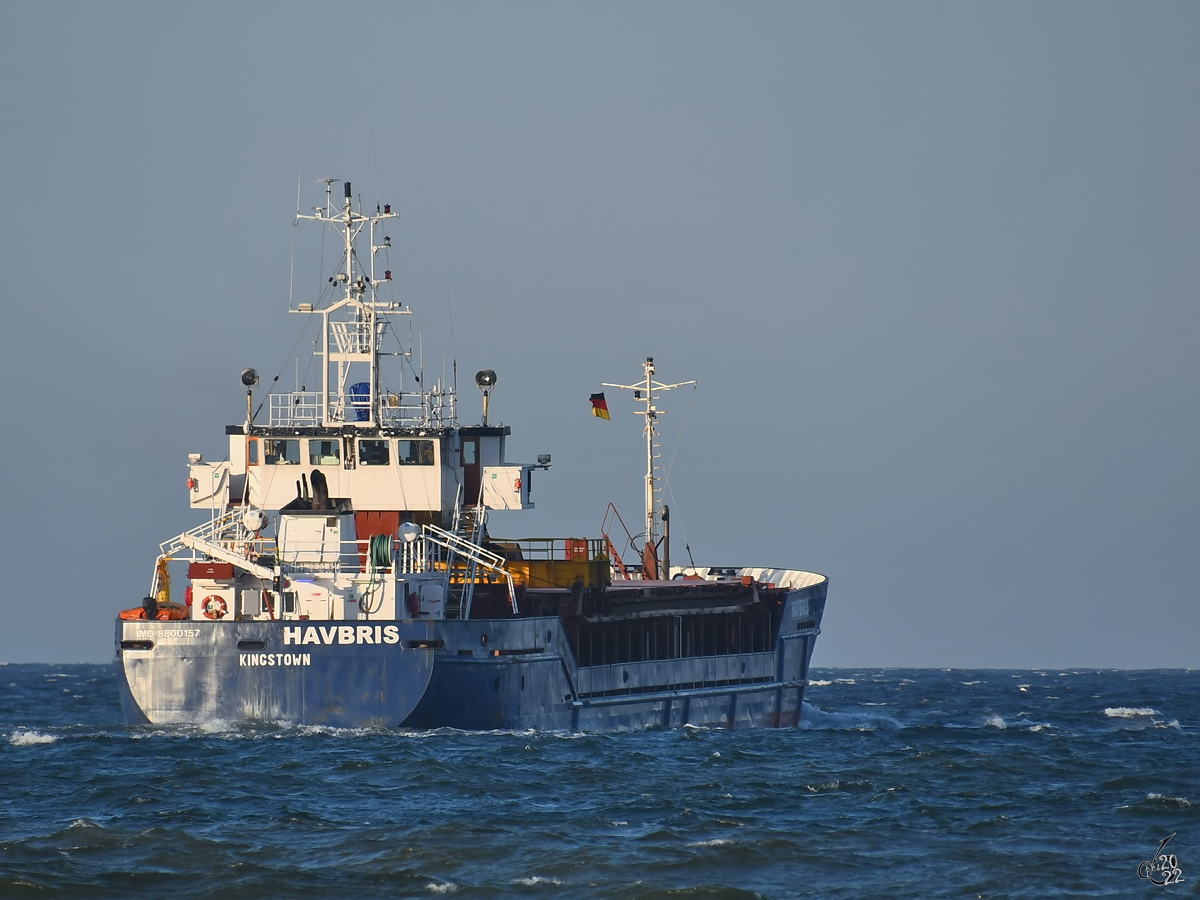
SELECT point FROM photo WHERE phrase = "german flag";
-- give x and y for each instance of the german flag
(599, 406)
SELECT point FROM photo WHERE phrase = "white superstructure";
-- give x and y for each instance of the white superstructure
(378, 446)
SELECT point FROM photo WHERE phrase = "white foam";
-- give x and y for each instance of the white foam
(445, 887)
(1173, 801)
(823, 786)
(819, 683)
(446, 731)
(1163, 799)
(1130, 712)
(715, 842)
(333, 731)
(996, 722)
(22, 738)
(535, 880)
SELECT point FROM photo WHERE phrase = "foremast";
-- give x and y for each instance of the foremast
(643, 393)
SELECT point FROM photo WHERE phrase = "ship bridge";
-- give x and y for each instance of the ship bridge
(418, 470)
(394, 449)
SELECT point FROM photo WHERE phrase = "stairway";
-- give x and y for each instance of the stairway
(464, 546)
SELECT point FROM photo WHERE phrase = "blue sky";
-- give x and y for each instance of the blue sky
(933, 265)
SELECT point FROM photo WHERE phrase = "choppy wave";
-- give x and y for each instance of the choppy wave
(22, 738)
(815, 718)
(1182, 802)
(1155, 801)
(887, 766)
(1130, 712)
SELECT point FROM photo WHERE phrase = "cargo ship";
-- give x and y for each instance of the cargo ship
(344, 574)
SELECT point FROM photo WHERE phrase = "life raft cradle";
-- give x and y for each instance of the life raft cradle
(167, 611)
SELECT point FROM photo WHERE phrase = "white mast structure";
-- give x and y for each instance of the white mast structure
(644, 393)
(356, 338)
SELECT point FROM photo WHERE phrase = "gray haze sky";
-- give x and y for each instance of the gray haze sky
(934, 266)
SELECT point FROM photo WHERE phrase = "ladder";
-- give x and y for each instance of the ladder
(475, 557)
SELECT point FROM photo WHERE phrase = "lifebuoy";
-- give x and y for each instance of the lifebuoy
(214, 607)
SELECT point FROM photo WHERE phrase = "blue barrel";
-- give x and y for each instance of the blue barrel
(360, 400)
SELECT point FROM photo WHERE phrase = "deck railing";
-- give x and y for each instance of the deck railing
(569, 549)
(302, 409)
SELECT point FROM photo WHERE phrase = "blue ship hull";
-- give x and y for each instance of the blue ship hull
(477, 674)
(190, 671)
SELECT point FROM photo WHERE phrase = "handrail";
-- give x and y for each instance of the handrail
(474, 553)
(203, 539)
(406, 409)
(556, 548)
(211, 528)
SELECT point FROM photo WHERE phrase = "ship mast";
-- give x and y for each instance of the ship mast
(353, 391)
(354, 336)
(644, 393)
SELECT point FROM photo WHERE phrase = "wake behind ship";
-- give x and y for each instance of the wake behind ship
(345, 574)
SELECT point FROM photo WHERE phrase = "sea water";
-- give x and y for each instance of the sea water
(899, 783)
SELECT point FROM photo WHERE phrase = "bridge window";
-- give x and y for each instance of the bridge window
(414, 453)
(373, 453)
(324, 453)
(281, 453)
